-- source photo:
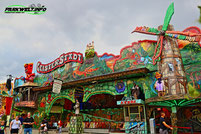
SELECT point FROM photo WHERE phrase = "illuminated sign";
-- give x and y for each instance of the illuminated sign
(25, 104)
(129, 100)
(62, 60)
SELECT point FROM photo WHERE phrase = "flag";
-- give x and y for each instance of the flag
(9, 101)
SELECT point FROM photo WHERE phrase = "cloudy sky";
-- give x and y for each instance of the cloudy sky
(68, 25)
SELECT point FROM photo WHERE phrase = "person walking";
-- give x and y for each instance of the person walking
(2, 127)
(28, 124)
(21, 119)
(15, 125)
(163, 129)
(60, 126)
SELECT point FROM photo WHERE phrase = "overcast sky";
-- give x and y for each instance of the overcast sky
(68, 25)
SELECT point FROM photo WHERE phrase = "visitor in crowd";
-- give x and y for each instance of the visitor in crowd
(163, 129)
(12, 118)
(28, 124)
(21, 119)
(43, 127)
(77, 107)
(15, 125)
(2, 127)
(60, 126)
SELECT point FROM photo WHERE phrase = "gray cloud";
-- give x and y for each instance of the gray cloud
(69, 25)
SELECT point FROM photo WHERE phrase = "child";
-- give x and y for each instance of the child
(43, 127)
(60, 126)
(2, 127)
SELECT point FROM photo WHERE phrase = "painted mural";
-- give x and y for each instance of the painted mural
(191, 56)
(100, 118)
(4, 91)
(190, 117)
(50, 98)
(47, 100)
(137, 55)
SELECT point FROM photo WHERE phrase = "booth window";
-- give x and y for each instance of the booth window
(134, 113)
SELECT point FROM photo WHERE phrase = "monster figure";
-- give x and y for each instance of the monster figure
(196, 115)
(159, 84)
(137, 93)
(42, 104)
(28, 70)
(90, 52)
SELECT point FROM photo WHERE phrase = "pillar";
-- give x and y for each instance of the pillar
(28, 94)
(76, 125)
(174, 119)
(20, 92)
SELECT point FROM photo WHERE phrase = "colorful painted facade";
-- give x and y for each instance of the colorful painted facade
(135, 56)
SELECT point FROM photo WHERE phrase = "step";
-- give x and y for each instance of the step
(98, 131)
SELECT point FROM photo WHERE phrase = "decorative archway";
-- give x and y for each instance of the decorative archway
(95, 93)
(52, 102)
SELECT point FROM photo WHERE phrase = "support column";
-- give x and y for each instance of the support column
(145, 119)
(174, 119)
(28, 94)
(20, 97)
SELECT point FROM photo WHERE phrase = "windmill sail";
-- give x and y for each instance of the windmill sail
(168, 16)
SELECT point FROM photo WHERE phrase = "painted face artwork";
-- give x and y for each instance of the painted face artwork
(28, 68)
(120, 87)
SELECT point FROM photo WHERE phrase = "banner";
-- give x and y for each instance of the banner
(9, 101)
(57, 84)
(59, 62)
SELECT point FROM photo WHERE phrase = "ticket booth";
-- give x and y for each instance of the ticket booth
(134, 115)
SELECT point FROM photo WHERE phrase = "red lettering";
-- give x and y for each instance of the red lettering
(59, 62)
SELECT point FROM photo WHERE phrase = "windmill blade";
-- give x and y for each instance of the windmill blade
(146, 30)
(183, 33)
(168, 16)
(192, 37)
